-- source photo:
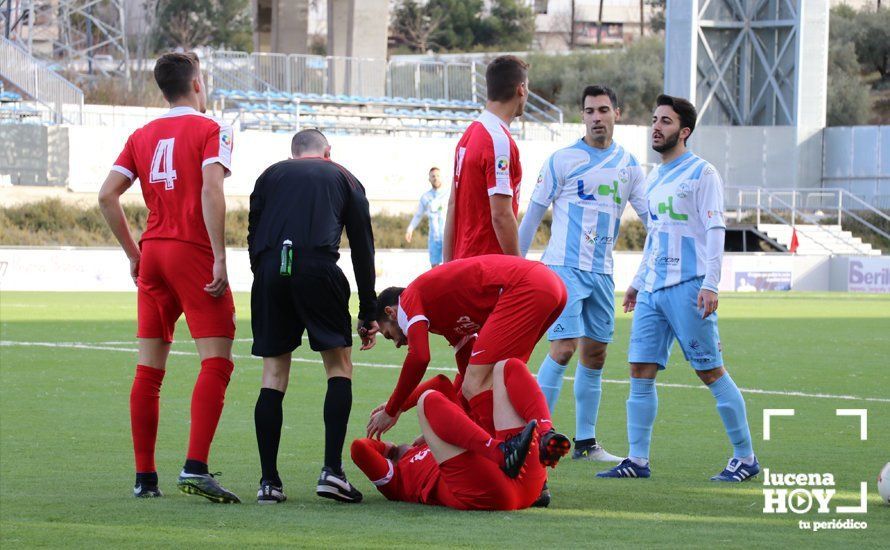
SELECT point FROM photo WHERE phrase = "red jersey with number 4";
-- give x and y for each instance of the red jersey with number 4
(168, 155)
(486, 163)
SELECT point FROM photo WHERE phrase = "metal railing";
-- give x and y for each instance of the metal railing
(43, 85)
(814, 206)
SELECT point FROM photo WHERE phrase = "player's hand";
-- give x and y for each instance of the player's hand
(376, 410)
(134, 269)
(630, 299)
(220, 281)
(707, 302)
(408, 236)
(368, 333)
(380, 423)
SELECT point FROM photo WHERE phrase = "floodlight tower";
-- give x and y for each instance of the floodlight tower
(91, 27)
(753, 63)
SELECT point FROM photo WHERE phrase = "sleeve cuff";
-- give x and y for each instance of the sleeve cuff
(501, 188)
(225, 165)
(121, 170)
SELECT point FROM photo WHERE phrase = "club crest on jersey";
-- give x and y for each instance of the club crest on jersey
(502, 164)
(683, 190)
(622, 175)
(466, 326)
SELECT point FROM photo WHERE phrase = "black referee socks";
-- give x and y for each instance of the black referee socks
(267, 417)
(337, 406)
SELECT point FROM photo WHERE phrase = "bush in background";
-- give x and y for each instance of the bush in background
(52, 222)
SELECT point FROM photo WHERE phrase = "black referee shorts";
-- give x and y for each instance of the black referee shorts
(314, 298)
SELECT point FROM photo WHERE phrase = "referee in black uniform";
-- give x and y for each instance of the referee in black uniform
(298, 209)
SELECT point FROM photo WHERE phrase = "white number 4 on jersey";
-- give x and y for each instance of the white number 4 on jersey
(162, 164)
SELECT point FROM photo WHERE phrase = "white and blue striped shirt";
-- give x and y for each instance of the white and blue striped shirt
(685, 200)
(589, 189)
(433, 204)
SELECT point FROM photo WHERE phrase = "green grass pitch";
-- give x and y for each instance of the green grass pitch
(66, 466)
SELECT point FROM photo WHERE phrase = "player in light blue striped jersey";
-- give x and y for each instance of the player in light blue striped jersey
(674, 295)
(432, 205)
(589, 183)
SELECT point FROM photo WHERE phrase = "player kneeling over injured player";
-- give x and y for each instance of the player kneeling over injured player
(489, 308)
(459, 464)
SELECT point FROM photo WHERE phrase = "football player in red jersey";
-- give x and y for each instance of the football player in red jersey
(458, 464)
(508, 301)
(487, 172)
(179, 265)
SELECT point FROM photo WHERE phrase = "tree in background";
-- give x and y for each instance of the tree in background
(848, 101)
(635, 73)
(462, 25)
(187, 24)
(873, 42)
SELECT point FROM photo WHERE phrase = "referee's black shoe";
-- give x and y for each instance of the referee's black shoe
(334, 485)
(516, 450)
(270, 493)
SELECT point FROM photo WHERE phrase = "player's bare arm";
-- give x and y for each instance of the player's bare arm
(213, 203)
(110, 204)
(504, 222)
(448, 239)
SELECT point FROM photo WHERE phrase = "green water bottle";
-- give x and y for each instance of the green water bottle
(287, 258)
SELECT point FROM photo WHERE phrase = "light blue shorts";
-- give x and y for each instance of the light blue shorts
(670, 313)
(435, 248)
(590, 309)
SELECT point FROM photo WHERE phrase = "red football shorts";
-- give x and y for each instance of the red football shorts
(522, 315)
(476, 483)
(172, 275)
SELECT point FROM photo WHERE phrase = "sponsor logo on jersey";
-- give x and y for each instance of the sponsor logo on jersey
(225, 138)
(668, 208)
(666, 260)
(591, 238)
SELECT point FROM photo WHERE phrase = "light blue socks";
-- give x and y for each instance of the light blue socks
(731, 406)
(550, 379)
(642, 406)
(588, 391)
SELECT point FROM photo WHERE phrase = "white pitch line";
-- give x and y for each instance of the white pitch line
(77, 345)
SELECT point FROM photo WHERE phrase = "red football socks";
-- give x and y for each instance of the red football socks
(453, 426)
(482, 410)
(525, 395)
(145, 397)
(207, 405)
(368, 456)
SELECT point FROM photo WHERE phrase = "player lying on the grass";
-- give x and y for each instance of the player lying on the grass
(674, 295)
(508, 301)
(469, 469)
(179, 266)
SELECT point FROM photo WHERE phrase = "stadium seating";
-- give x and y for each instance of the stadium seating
(281, 111)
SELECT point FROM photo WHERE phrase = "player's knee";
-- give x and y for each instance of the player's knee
(561, 351)
(421, 402)
(711, 375)
(595, 358)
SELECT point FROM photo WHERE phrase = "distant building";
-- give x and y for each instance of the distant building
(561, 24)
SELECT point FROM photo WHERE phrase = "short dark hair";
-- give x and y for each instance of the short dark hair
(434, 169)
(503, 75)
(684, 109)
(309, 140)
(174, 73)
(597, 90)
(388, 298)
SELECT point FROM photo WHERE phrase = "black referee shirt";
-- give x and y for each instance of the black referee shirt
(309, 201)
